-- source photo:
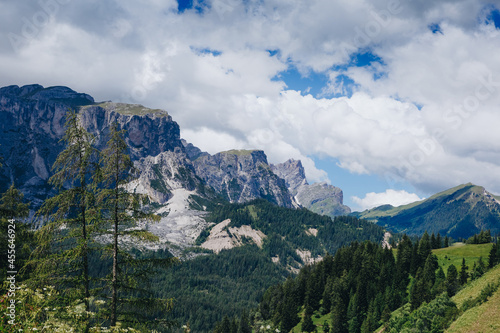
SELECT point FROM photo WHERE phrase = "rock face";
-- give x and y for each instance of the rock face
(32, 122)
(242, 175)
(293, 173)
(320, 198)
(323, 199)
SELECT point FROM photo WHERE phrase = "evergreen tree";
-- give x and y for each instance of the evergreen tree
(12, 209)
(12, 206)
(494, 256)
(326, 327)
(244, 324)
(479, 269)
(224, 327)
(417, 290)
(438, 241)
(122, 210)
(424, 248)
(289, 306)
(62, 256)
(446, 241)
(434, 243)
(440, 283)
(452, 280)
(463, 273)
(307, 323)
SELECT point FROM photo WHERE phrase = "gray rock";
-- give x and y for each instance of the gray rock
(243, 175)
(320, 198)
(32, 120)
(292, 172)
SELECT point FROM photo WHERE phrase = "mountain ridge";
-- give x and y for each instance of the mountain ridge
(460, 211)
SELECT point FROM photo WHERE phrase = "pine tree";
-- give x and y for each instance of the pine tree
(307, 323)
(11, 204)
(439, 285)
(438, 241)
(12, 209)
(446, 241)
(451, 280)
(62, 256)
(434, 243)
(244, 324)
(493, 256)
(122, 210)
(463, 273)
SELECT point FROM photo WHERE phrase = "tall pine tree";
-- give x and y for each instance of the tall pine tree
(62, 257)
(122, 211)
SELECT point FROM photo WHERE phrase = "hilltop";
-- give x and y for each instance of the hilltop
(461, 211)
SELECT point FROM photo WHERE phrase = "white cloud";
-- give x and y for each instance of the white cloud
(389, 197)
(125, 51)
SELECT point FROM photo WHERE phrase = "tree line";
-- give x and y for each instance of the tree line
(359, 287)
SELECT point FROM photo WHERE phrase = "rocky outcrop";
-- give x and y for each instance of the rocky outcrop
(241, 176)
(293, 173)
(323, 199)
(32, 120)
(320, 198)
(32, 123)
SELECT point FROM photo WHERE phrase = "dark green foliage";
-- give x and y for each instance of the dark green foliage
(463, 273)
(352, 284)
(307, 323)
(478, 269)
(432, 317)
(209, 287)
(494, 256)
(16, 238)
(452, 282)
(292, 224)
(483, 237)
(244, 324)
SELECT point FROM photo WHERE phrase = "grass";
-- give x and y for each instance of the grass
(318, 322)
(483, 318)
(455, 253)
(132, 109)
(474, 287)
(238, 152)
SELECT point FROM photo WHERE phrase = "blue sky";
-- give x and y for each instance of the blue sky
(360, 91)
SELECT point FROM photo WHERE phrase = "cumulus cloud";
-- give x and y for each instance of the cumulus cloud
(424, 112)
(389, 197)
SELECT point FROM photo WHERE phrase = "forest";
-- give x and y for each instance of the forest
(357, 289)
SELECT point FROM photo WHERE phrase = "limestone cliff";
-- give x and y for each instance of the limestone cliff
(320, 198)
(242, 175)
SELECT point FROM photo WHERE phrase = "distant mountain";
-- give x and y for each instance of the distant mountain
(458, 212)
(321, 198)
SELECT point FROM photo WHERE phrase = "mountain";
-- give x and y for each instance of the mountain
(458, 212)
(320, 198)
(179, 179)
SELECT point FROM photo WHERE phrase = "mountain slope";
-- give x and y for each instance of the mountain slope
(458, 212)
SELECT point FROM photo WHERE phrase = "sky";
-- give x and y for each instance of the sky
(390, 100)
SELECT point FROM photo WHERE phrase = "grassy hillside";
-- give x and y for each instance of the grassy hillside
(454, 254)
(483, 318)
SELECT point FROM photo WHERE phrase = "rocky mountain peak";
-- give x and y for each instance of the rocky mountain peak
(242, 175)
(320, 198)
(292, 172)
